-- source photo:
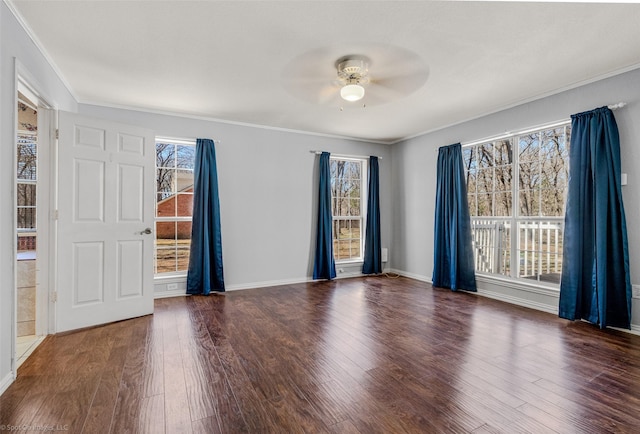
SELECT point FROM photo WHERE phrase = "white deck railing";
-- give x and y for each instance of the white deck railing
(537, 250)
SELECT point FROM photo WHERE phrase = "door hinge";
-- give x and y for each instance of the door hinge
(57, 134)
(54, 214)
(54, 296)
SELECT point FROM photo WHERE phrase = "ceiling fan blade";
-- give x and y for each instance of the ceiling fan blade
(403, 84)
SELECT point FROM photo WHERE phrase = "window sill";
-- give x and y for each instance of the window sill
(520, 284)
(171, 278)
(350, 262)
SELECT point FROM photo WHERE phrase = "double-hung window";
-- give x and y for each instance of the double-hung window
(175, 161)
(348, 203)
(516, 188)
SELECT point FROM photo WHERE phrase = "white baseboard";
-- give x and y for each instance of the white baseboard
(6, 382)
(264, 284)
(410, 275)
(268, 283)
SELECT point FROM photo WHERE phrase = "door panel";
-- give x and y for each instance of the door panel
(88, 270)
(106, 194)
(88, 182)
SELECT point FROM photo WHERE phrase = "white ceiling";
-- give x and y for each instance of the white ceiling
(271, 63)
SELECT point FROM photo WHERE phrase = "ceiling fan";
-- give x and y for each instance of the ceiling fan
(353, 75)
(387, 74)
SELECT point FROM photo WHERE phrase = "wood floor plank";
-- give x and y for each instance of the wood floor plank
(362, 355)
(176, 407)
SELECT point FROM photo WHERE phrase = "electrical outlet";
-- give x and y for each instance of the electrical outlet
(172, 286)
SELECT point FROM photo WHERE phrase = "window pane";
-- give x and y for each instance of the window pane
(472, 181)
(26, 218)
(333, 169)
(26, 194)
(342, 207)
(354, 170)
(503, 153)
(355, 229)
(503, 204)
(336, 249)
(27, 159)
(167, 207)
(165, 183)
(552, 235)
(183, 231)
(503, 178)
(165, 155)
(529, 147)
(528, 264)
(554, 174)
(355, 248)
(529, 236)
(354, 207)
(183, 243)
(485, 204)
(529, 203)
(185, 156)
(343, 229)
(485, 180)
(166, 247)
(468, 156)
(529, 175)
(185, 205)
(184, 180)
(551, 268)
(505, 248)
(485, 155)
(488, 241)
(471, 199)
(166, 259)
(552, 202)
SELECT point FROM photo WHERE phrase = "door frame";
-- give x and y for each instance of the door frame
(46, 198)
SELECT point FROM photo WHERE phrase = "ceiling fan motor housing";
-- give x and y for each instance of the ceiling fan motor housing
(353, 71)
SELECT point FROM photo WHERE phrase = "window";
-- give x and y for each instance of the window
(347, 193)
(516, 193)
(174, 205)
(27, 154)
(26, 173)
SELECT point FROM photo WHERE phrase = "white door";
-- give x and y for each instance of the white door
(105, 216)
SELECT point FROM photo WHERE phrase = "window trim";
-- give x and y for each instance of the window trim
(515, 217)
(364, 185)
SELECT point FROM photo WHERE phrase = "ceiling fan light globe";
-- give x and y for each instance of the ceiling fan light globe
(352, 92)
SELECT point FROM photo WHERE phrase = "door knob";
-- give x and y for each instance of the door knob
(147, 231)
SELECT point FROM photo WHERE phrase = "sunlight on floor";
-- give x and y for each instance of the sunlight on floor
(25, 346)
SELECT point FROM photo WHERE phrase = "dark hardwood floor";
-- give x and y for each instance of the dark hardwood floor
(349, 356)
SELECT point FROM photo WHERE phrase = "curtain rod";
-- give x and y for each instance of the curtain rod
(550, 125)
(346, 156)
(182, 140)
(617, 106)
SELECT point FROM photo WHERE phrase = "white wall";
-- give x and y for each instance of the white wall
(16, 45)
(414, 179)
(267, 182)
